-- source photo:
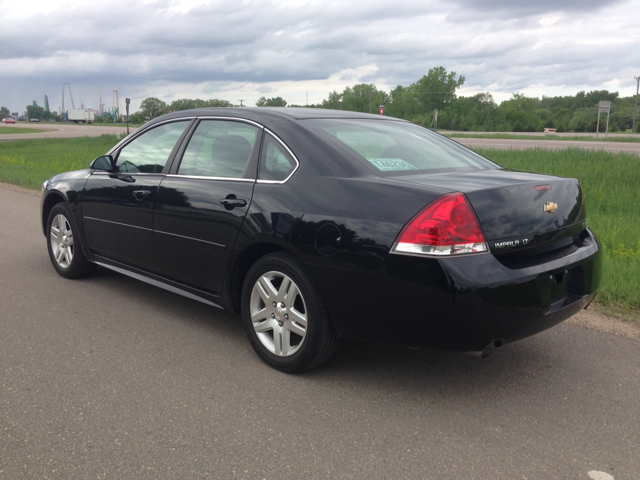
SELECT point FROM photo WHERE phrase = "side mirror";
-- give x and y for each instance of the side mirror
(104, 163)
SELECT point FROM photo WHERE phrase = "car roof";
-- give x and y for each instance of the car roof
(267, 114)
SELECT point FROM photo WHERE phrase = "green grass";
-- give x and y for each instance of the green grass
(9, 131)
(573, 138)
(28, 163)
(610, 181)
(611, 184)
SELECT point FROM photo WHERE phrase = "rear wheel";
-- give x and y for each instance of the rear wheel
(284, 315)
(63, 243)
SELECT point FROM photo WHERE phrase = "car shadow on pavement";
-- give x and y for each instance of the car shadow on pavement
(526, 367)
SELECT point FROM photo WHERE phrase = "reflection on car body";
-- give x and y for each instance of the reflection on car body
(317, 225)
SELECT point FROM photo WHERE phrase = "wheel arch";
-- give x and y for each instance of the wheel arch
(247, 257)
(53, 198)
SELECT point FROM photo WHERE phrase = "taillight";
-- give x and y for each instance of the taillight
(447, 226)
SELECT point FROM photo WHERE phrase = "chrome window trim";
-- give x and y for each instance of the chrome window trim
(191, 238)
(196, 177)
(280, 182)
(139, 131)
(244, 120)
(127, 174)
(232, 179)
(117, 223)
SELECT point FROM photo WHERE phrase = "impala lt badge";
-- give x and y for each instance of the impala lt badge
(550, 207)
(511, 243)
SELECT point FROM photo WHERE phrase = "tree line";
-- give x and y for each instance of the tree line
(437, 91)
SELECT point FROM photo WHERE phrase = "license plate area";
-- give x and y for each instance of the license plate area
(565, 288)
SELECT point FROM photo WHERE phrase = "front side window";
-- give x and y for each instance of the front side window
(219, 148)
(149, 152)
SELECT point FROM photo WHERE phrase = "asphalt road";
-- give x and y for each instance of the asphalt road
(508, 144)
(61, 130)
(108, 377)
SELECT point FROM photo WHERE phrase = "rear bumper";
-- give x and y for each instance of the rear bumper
(459, 303)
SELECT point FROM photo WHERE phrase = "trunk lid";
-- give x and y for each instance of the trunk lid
(519, 211)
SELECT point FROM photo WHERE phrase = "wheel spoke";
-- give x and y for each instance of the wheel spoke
(286, 341)
(284, 288)
(291, 293)
(59, 254)
(265, 326)
(55, 231)
(277, 341)
(266, 288)
(297, 329)
(259, 315)
(298, 317)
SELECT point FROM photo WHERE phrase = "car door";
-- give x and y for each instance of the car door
(202, 203)
(117, 207)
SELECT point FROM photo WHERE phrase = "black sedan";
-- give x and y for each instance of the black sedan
(319, 225)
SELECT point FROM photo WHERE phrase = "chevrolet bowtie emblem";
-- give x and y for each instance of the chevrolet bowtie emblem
(550, 207)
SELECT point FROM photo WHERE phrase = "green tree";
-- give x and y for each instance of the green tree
(363, 98)
(4, 112)
(271, 102)
(334, 101)
(215, 102)
(35, 112)
(152, 107)
(518, 114)
(435, 90)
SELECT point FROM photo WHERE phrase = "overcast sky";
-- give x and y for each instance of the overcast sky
(239, 49)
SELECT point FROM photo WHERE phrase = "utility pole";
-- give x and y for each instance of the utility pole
(241, 102)
(635, 112)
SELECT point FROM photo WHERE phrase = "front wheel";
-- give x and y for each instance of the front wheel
(284, 316)
(63, 243)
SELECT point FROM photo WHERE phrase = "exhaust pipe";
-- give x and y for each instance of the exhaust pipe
(484, 352)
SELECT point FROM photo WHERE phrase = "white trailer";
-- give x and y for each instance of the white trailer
(80, 115)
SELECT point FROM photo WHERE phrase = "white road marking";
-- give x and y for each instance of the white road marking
(595, 475)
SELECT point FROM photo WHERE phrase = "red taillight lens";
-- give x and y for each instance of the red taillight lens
(447, 226)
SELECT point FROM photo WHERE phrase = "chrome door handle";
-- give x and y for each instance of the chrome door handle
(140, 194)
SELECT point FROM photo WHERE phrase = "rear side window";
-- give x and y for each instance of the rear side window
(219, 148)
(397, 148)
(276, 164)
(149, 152)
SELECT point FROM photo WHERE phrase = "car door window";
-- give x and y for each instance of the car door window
(149, 152)
(276, 164)
(219, 148)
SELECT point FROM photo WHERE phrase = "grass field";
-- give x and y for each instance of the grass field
(610, 181)
(11, 130)
(574, 138)
(28, 163)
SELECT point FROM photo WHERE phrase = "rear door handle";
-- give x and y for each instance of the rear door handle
(140, 194)
(231, 202)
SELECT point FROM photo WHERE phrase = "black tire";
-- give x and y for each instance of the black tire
(277, 331)
(63, 244)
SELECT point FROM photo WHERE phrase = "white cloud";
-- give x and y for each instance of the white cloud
(248, 48)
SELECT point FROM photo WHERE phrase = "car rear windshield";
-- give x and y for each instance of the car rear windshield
(390, 148)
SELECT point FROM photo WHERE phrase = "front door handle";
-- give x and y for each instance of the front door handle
(140, 194)
(231, 202)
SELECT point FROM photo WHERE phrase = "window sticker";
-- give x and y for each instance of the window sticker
(390, 164)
